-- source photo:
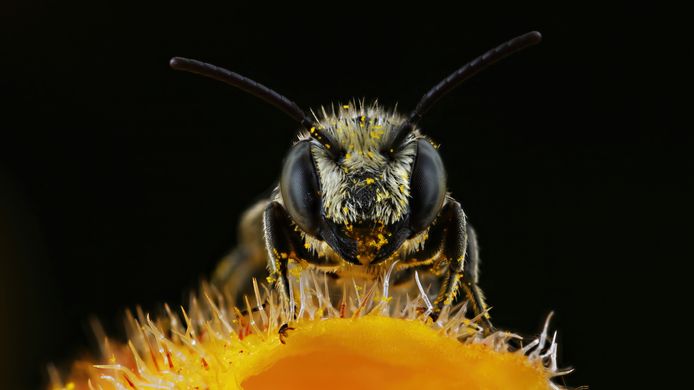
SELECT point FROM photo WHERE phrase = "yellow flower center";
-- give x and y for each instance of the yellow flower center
(377, 352)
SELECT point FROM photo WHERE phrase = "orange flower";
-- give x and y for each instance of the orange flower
(365, 340)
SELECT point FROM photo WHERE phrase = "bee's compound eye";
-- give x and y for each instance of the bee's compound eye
(427, 186)
(300, 187)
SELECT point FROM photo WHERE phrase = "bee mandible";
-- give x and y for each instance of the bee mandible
(361, 190)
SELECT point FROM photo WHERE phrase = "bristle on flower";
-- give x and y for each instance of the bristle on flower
(359, 337)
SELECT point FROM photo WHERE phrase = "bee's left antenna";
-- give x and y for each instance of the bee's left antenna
(459, 76)
(254, 88)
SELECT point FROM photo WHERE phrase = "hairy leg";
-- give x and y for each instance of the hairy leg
(454, 242)
(284, 243)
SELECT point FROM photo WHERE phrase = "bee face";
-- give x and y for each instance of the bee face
(364, 194)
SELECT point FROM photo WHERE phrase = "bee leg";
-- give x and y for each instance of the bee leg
(463, 261)
(277, 232)
(471, 278)
(284, 243)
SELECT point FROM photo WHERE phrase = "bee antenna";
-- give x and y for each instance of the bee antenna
(254, 88)
(472, 68)
(463, 73)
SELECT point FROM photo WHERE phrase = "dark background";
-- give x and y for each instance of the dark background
(121, 181)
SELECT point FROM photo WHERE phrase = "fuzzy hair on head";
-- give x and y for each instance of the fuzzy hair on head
(369, 183)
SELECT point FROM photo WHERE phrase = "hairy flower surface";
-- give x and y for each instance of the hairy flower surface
(365, 339)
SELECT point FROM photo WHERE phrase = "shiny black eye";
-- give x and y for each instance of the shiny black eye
(427, 186)
(300, 188)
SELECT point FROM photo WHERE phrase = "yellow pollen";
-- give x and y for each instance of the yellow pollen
(295, 272)
(376, 134)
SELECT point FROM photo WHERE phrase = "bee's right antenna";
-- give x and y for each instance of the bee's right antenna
(254, 88)
(459, 76)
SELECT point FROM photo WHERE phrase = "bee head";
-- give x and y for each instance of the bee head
(369, 190)
(362, 179)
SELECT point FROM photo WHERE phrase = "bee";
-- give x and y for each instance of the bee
(361, 191)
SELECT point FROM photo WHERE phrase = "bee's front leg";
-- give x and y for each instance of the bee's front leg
(460, 251)
(283, 242)
(279, 239)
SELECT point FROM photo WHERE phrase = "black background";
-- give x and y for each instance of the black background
(121, 181)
